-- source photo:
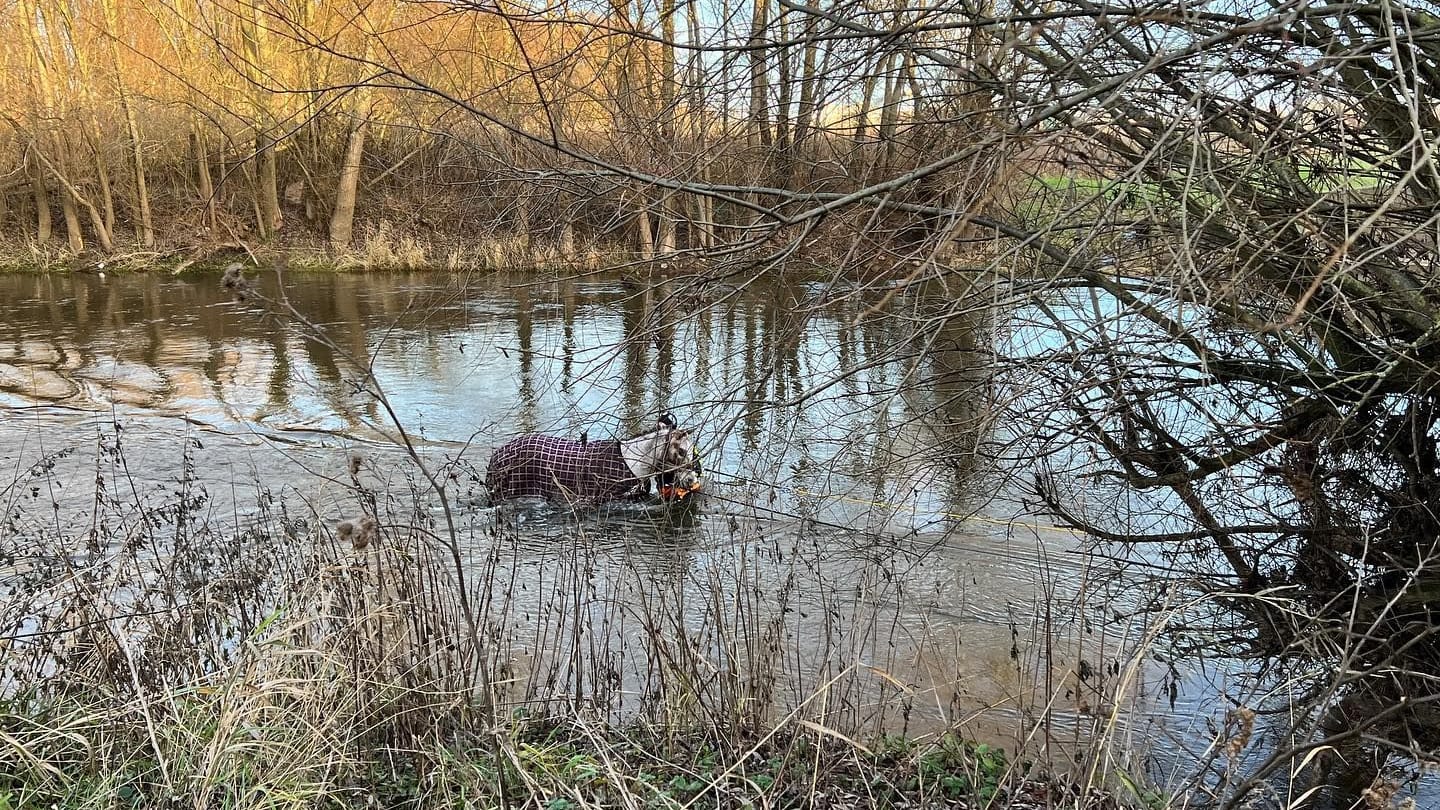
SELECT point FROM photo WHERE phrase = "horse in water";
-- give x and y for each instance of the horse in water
(556, 468)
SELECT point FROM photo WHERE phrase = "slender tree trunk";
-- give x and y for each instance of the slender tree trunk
(867, 93)
(703, 224)
(71, 198)
(44, 109)
(250, 168)
(759, 77)
(669, 211)
(785, 93)
(132, 129)
(202, 177)
(565, 244)
(668, 96)
(889, 99)
(727, 87)
(806, 111)
(890, 114)
(267, 187)
(702, 227)
(523, 222)
(103, 234)
(71, 214)
(102, 178)
(60, 27)
(342, 218)
(624, 92)
(44, 224)
(917, 93)
(644, 233)
(142, 187)
(268, 191)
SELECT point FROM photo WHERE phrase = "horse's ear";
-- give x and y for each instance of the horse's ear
(668, 422)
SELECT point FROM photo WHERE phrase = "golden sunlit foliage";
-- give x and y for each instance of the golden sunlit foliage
(266, 99)
(176, 126)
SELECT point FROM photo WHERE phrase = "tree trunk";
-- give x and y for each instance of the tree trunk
(566, 241)
(759, 77)
(890, 99)
(267, 191)
(668, 101)
(727, 87)
(917, 93)
(43, 220)
(142, 188)
(666, 243)
(70, 198)
(107, 191)
(73, 233)
(621, 108)
(103, 233)
(644, 234)
(342, 219)
(890, 115)
(806, 111)
(702, 227)
(43, 111)
(65, 35)
(668, 96)
(132, 129)
(867, 92)
(523, 223)
(785, 94)
(202, 177)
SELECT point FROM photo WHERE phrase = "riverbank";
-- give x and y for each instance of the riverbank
(378, 251)
(381, 248)
(231, 742)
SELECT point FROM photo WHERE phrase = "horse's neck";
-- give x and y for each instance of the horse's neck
(640, 454)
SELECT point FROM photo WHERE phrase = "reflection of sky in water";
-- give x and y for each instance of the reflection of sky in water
(479, 361)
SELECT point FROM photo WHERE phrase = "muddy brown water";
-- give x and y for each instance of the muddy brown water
(830, 434)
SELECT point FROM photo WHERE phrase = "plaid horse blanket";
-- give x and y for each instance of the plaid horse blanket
(539, 466)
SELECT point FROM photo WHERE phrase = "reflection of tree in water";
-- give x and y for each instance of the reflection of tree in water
(952, 395)
(665, 314)
(525, 340)
(635, 324)
(660, 336)
(567, 338)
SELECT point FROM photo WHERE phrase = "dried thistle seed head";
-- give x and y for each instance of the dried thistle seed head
(345, 529)
(367, 532)
(357, 459)
(234, 280)
(234, 276)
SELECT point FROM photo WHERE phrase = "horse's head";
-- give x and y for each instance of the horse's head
(677, 467)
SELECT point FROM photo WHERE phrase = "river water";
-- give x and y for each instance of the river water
(856, 501)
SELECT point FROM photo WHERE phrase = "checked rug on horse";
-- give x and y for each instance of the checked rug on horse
(537, 465)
